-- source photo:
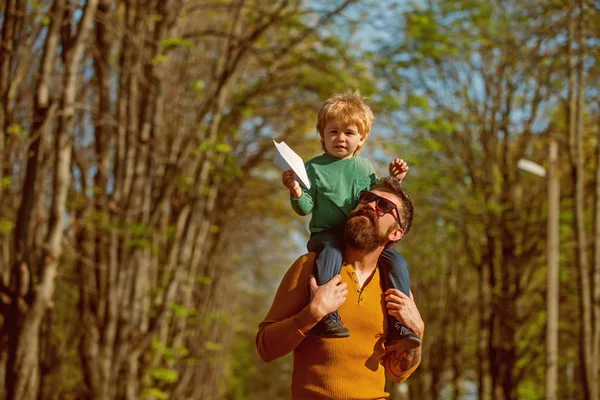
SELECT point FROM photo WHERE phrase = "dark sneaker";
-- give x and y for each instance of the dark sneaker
(402, 338)
(331, 326)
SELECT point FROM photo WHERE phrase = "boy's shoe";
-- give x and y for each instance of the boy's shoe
(402, 338)
(331, 326)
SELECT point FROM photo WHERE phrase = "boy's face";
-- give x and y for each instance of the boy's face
(341, 139)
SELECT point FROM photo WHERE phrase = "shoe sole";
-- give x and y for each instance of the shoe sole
(338, 336)
(404, 345)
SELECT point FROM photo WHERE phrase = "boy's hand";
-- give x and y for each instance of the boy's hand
(288, 180)
(398, 169)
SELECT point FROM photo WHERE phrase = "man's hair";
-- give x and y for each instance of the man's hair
(346, 107)
(389, 184)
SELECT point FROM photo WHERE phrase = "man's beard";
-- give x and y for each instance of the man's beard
(363, 233)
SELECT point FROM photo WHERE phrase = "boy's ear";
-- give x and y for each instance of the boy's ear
(364, 139)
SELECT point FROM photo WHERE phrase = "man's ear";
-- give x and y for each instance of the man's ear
(396, 234)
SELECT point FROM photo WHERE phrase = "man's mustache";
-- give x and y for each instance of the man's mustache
(367, 212)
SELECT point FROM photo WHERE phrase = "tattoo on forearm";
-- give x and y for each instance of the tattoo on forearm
(402, 361)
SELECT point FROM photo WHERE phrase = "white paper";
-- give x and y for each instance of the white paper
(531, 167)
(286, 158)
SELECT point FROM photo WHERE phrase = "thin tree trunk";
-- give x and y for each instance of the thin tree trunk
(576, 115)
(21, 270)
(455, 325)
(24, 357)
(596, 266)
(483, 333)
(6, 54)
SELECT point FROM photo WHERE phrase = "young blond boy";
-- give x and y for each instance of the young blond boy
(339, 180)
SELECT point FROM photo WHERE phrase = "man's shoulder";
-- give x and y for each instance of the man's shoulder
(302, 268)
(305, 261)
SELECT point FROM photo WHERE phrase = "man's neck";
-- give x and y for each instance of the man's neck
(363, 263)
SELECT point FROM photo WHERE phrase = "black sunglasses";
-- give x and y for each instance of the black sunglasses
(382, 205)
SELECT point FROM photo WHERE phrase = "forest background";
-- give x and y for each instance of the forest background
(144, 228)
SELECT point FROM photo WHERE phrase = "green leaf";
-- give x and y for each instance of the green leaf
(213, 346)
(445, 126)
(179, 311)
(199, 85)
(17, 130)
(223, 148)
(170, 43)
(163, 374)
(182, 351)
(159, 59)
(141, 243)
(6, 226)
(158, 345)
(432, 144)
(418, 101)
(203, 280)
(154, 393)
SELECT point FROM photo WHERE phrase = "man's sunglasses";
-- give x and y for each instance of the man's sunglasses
(382, 205)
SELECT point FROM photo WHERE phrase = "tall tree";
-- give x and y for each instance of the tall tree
(476, 80)
(160, 124)
(31, 299)
(577, 55)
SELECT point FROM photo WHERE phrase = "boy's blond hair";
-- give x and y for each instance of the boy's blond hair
(346, 107)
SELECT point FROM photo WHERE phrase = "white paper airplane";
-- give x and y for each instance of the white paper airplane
(286, 158)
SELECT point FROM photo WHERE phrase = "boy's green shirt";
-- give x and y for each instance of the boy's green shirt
(334, 187)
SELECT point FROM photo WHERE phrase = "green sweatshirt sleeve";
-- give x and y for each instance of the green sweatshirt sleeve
(305, 204)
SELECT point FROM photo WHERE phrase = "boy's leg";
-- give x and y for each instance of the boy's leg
(328, 264)
(329, 259)
(396, 275)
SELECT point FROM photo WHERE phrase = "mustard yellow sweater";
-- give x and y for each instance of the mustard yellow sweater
(341, 368)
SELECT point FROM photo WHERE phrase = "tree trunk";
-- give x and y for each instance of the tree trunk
(483, 333)
(576, 125)
(596, 267)
(6, 56)
(23, 378)
(552, 294)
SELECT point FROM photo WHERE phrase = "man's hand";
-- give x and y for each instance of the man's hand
(400, 364)
(405, 310)
(327, 298)
(288, 180)
(398, 169)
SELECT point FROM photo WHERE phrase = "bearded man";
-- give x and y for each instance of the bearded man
(352, 367)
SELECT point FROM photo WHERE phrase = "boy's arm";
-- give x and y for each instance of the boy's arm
(305, 203)
(399, 365)
(398, 169)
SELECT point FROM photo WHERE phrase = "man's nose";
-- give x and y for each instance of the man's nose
(372, 205)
